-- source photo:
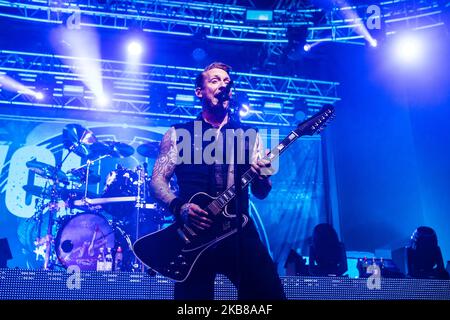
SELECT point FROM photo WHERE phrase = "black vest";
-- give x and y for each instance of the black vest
(198, 176)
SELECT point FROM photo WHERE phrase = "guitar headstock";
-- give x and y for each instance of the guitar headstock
(317, 122)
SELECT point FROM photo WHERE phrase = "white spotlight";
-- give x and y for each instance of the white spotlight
(244, 110)
(373, 42)
(102, 100)
(39, 96)
(307, 47)
(134, 48)
(408, 49)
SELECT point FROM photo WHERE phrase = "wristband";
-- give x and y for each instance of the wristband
(175, 206)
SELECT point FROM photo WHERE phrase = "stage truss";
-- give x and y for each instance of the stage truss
(153, 90)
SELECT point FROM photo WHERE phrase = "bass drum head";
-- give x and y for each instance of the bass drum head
(80, 238)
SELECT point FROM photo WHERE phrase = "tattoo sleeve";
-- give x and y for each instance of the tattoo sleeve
(164, 168)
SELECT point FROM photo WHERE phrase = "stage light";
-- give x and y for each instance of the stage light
(424, 257)
(408, 49)
(244, 110)
(10, 84)
(296, 41)
(259, 15)
(373, 42)
(102, 100)
(308, 46)
(134, 48)
(240, 104)
(39, 96)
(84, 51)
(327, 255)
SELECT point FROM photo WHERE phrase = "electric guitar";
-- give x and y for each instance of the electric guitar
(173, 251)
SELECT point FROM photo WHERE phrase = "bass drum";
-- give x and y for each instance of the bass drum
(81, 237)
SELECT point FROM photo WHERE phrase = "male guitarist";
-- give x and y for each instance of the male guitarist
(241, 257)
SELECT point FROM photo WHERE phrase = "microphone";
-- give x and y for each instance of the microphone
(225, 94)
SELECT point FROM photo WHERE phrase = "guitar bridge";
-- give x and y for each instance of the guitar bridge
(189, 230)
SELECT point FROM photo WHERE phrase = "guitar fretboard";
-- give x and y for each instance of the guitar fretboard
(308, 127)
(225, 197)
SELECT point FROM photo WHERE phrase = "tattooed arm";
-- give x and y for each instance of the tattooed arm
(190, 213)
(164, 168)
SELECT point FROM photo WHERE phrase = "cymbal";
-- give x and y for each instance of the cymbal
(119, 149)
(149, 149)
(77, 139)
(79, 175)
(98, 149)
(47, 171)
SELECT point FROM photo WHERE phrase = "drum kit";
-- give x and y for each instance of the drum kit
(96, 225)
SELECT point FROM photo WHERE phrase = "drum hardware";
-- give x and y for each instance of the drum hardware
(51, 191)
(77, 139)
(47, 241)
(41, 192)
(80, 175)
(87, 178)
(140, 202)
(82, 142)
(97, 151)
(107, 200)
(119, 149)
(77, 238)
(84, 171)
(47, 171)
(110, 148)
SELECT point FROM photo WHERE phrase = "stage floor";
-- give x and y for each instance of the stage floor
(20, 284)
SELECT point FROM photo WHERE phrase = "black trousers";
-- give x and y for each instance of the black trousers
(252, 271)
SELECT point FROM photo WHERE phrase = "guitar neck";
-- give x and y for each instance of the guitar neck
(225, 197)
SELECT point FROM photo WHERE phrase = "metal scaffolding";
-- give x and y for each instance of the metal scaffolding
(227, 21)
(153, 90)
